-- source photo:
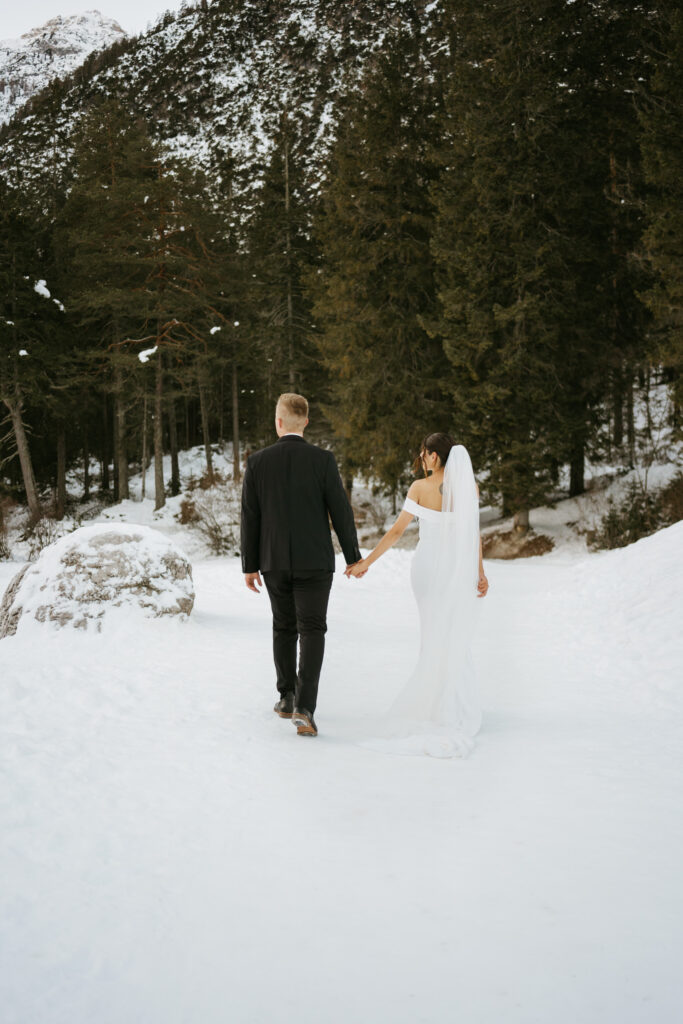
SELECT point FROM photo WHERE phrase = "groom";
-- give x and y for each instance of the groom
(289, 488)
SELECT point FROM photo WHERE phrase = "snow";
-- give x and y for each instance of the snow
(569, 519)
(80, 578)
(144, 356)
(173, 852)
(53, 50)
(42, 289)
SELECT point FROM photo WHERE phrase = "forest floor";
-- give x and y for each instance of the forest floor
(173, 852)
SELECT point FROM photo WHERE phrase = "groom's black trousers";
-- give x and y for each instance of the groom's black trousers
(299, 602)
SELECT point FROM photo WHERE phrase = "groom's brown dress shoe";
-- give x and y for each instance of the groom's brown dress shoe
(304, 722)
(285, 706)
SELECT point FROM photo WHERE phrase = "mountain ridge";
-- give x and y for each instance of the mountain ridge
(50, 51)
(214, 82)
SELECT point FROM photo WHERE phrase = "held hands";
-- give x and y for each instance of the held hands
(357, 570)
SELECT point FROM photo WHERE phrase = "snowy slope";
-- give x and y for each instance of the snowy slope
(171, 851)
(213, 84)
(52, 51)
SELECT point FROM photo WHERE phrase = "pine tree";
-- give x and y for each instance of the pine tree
(205, 290)
(280, 254)
(494, 246)
(526, 242)
(662, 146)
(105, 235)
(29, 320)
(374, 283)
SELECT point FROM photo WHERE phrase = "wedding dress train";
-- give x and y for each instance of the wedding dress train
(438, 710)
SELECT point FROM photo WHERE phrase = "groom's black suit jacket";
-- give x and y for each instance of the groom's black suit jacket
(287, 493)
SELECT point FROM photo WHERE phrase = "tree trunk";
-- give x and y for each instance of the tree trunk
(290, 314)
(106, 448)
(630, 423)
(23, 450)
(203, 407)
(120, 452)
(115, 477)
(61, 473)
(143, 486)
(86, 463)
(618, 405)
(576, 470)
(159, 496)
(221, 414)
(173, 443)
(236, 470)
(618, 387)
(187, 424)
(521, 521)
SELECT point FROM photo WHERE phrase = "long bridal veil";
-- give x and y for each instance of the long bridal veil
(438, 711)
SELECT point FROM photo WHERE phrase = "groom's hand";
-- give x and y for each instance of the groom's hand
(253, 581)
(355, 570)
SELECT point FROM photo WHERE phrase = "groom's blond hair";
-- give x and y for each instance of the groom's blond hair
(292, 410)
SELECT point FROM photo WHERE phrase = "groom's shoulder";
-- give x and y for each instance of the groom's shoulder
(263, 455)
(275, 450)
(319, 453)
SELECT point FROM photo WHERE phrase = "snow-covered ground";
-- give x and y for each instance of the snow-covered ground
(172, 852)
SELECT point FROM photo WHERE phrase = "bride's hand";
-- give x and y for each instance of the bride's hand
(357, 570)
(482, 586)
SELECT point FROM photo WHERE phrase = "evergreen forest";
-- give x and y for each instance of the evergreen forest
(462, 215)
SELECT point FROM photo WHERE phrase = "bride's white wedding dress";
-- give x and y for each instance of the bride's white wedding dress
(438, 711)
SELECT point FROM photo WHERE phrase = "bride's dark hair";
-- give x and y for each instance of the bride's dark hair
(439, 443)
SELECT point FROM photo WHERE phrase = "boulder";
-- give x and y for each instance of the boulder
(77, 580)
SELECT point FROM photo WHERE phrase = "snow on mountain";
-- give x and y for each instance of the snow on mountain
(53, 50)
(215, 82)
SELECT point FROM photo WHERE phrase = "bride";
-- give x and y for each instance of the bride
(438, 711)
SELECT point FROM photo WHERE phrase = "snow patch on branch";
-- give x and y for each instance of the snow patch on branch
(42, 289)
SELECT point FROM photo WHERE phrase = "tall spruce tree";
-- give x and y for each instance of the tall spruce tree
(280, 254)
(494, 242)
(623, 33)
(374, 282)
(30, 319)
(661, 119)
(525, 238)
(106, 235)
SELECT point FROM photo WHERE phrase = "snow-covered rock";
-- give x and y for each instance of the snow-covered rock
(77, 580)
(51, 51)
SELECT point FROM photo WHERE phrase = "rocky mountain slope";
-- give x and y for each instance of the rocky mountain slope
(215, 81)
(53, 50)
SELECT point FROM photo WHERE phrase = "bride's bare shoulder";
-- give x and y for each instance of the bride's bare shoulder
(415, 490)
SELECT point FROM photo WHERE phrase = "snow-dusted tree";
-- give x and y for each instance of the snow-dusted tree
(661, 117)
(29, 320)
(106, 231)
(374, 283)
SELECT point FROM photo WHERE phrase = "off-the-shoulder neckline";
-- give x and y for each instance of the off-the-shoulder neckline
(421, 510)
(425, 511)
